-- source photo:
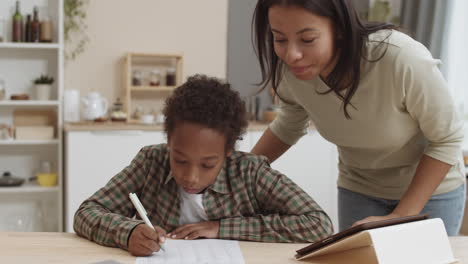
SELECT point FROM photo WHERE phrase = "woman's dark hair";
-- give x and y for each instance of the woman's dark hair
(353, 34)
(208, 102)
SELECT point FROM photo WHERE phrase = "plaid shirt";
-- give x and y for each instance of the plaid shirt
(250, 199)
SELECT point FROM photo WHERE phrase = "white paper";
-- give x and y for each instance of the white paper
(206, 251)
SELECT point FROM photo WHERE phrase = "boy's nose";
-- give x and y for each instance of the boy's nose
(191, 177)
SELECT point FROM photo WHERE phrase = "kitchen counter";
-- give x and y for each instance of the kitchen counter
(96, 126)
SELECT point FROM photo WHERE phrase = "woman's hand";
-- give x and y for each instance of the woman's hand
(376, 218)
(144, 240)
(208, 229)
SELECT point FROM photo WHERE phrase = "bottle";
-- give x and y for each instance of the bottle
(46, 30)
(27, 29)
(170, 77)
(17, 23)
(35, 27)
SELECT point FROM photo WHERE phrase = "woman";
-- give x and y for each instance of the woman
(374, 92)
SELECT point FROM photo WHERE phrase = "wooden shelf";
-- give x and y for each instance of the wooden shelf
(21, 45)
(29, 188)
(29, 142)
(28, 103)
(147, 63)
(153, 88)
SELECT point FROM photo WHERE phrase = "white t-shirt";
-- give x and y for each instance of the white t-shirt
(191, 208)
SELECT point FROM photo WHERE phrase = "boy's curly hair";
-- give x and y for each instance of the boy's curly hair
(209, 102)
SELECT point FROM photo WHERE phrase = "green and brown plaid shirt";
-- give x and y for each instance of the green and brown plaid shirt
(250, 199)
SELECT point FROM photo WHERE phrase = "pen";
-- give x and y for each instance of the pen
(142, 212)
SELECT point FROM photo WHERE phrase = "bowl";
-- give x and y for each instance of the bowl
(47, 179)
(147, 119)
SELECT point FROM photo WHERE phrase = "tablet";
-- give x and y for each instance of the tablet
(353, 230)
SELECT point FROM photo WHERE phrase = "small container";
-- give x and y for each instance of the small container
(137, 78)
(171, 77)
(2, 90)
(155, 78)
(2, 29)
(137, 113)
(147, 119)
(117, 113)
(160, 118)
(47, 179)
(6, 132)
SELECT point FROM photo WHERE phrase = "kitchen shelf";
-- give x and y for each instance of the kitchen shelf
(14, 45)
(29, 142)
(29, 188)
(28, 103)
(148, 97)
(20, 64)
(153, 88)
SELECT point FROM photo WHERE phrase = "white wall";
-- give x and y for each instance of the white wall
(198, 29)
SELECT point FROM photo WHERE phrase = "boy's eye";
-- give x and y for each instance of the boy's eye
(180, 161)
(205, 166)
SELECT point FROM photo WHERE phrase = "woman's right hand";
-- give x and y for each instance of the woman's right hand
(144, 240)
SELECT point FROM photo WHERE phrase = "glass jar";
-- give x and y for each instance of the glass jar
(118, 113)
(155, 78)
(137, 78)
(2, 90)
(137, 113)
(2, 29)
(171, 77)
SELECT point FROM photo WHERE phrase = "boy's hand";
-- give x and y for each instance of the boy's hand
(208, 229)
(144, 240)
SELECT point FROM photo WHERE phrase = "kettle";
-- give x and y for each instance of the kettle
(94, 106)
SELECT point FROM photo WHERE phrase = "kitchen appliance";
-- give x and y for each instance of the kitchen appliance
(94, 106)
(72, 105)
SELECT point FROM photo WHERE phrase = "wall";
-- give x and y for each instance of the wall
(197, 29)
(243, 70)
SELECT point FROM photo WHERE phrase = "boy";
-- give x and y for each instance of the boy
(197, 186)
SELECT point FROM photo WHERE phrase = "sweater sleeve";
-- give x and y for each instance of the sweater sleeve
(429, 102)
(292, 121)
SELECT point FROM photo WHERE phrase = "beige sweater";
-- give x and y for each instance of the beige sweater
(404, 110)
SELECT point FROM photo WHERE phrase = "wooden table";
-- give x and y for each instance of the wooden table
(68, 248)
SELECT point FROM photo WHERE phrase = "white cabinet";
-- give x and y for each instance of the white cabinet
(31, 207)
(94, 157)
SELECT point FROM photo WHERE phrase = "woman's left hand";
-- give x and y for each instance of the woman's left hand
(376, 218)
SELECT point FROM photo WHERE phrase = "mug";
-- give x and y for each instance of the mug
(147, 119)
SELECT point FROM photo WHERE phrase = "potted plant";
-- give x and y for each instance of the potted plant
(43, 87)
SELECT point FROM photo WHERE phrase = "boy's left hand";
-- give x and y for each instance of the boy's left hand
(208, 229)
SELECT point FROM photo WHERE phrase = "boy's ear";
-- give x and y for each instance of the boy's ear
(229, 153)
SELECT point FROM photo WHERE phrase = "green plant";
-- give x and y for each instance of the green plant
(44, 79)
(74, 27)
